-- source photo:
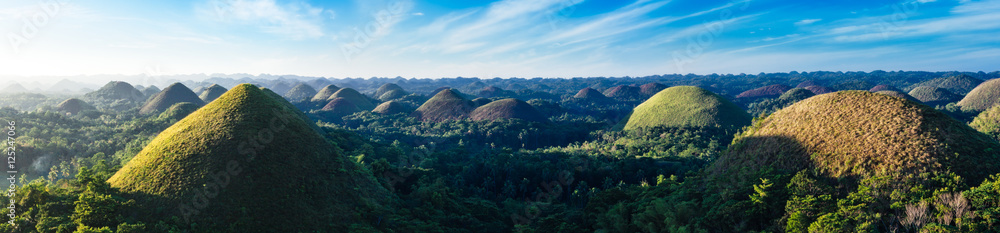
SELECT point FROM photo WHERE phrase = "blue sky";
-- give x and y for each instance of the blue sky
(523, 38)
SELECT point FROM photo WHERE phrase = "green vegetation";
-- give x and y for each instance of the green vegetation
(392, 107)
(819, 90)
(386, 88)
(392, 95)
(222, 145)
(651, 89)
(324, 94)
(687, 106)
(74, 106)
(300, 92)
(115, 95)
(589, 94)
(176, 93)
(212, 92)
(988, 122)
(958, 84)
(764, 92)
(983, 97)
(178, 111)
(507, 109)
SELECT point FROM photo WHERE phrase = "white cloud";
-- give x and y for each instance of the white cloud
(806, 22)
(297, 20)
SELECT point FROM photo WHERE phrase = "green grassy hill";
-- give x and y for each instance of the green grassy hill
(73, 106)
(355, 97)
(247, 163)
(960, 84)
(796, 94)
(323, 95)
(819, 90)
(391, 107)
(179, 110)
(988, 122)
(300, 92)
(507, 109)
(858, 134)
(392, 95)
(175, 93)
(590, 94)
(386, 88)
(116, 90)
(212, 92)
(983, 97)
(934, 96)
(688, 106)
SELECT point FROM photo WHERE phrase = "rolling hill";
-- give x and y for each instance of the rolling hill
(983, 97)
(355, 97)
(959, 84)
(445, 105)
(300, 92)
(73, 106)
(687, 106)
(175, 93)
(765, 92)
(507, 109)
(391, 107)
(386, 88)
(934, 96)
(323, 95)
(211, 93)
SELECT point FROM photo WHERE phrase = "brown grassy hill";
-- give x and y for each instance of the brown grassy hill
(392, 107)
(960, 84)
(493, 91)
(796, 94)
(300, 92)
(150, 91)
(819, 90)
(175, 93)
(651, 89)
(73, 106)
(934, 96)
(687, 106)
(117, 90)
(212, 92)
(212, 169)
(624, 92)
(341, 106)
(385, 88)
(439, 89)
(355, 97)
(765, 92)
(856, 134)
(884, 87)
(445, 105)
(481, 101)
(507, 109)
(590, 94)
(323, 95)
(983, 97)
(806, 83)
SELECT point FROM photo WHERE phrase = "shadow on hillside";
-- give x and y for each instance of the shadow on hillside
(753, 157)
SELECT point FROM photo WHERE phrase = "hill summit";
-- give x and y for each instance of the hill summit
(247, 163)
(934, 96)
(386, 88)
(175, 93)
(300, 92)
(354, 97)
(688, 106)
(984, 96)
(958, 84)
(858, 134)
(508, 109)
(212, 92)
(445, 105)
(117, 90)
(73, 106)
(590, 94)
(324, 94)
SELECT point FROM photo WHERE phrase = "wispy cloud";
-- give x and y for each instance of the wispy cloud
(806, 22)
(295, 20)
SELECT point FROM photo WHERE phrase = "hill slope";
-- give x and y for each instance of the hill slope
(224, 146)
(960, 84)
(391, 107)
(212, 92)
(116, 90)
(764, 92)
(175, 93)
(859, 134)
(984, 96)
(590, 94)
(355, 97)
(300, 92)
(73, 106)
(934, 96)
(323, 95)
(507, 109)
(386, 88)
(688, 106)
(445, 105)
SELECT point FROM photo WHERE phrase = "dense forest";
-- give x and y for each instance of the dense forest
(821, 151)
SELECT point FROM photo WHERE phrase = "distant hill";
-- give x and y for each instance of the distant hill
(212, 92)
(14, 88)
(857, 134)
(959, 84)
(898, 94)
(150, 91)
(355, 97)
(765, 92)
(341, 106)
(393, 94)
(323, 95)
(797, 94)
(392, 107)
(300, 92)
(447, 104)
(280, 87)
(507, 109)
(884, 87)
(934, 96)
(590, 94)
(651, 89)
(202, 169)
(175, 93)
(819, 90)
(116, 90)
(73, 106)
(806, 83)
(179, 110)
(688, 106)
(493, 91)
(983, 97)
(481, 101)
(385, 88)
(624, 92)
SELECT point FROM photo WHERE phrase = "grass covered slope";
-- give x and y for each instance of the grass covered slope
(386, 88)
(898, 94)
(355, 97)
(862, 134)
(688, 106)
(983, 97)
(764, 92)
(590, 94)
(247, 163)
(300, 92)
(175, 93)
(324, 94)
(624, 92)
(212, 92)
(179, 110)
(73, 106)
(445, 105)
(116, 90)
(934, 96)
(508, 109)
(819, 90)
(392, 95)
(391, 107)
(651, 89)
